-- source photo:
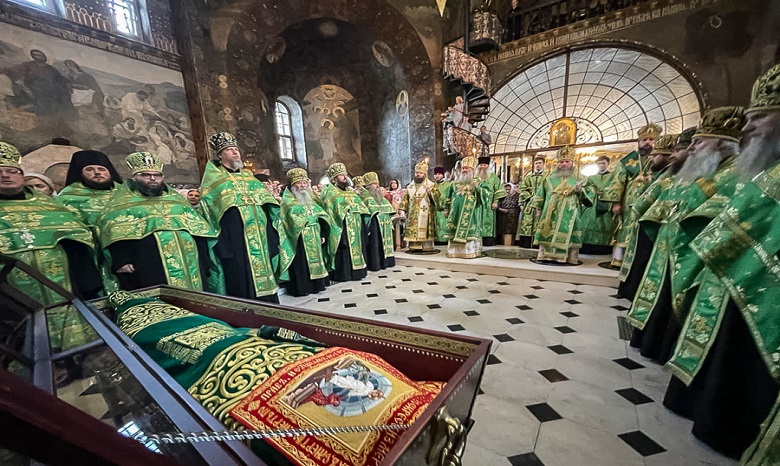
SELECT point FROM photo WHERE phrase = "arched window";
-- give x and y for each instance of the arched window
(609, 93)
(284, 131)
(289, 131)
(125, 16)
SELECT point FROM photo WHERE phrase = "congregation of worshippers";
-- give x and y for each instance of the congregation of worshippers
(690, 220)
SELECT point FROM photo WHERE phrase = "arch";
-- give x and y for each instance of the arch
(613, 89)
(245, 36)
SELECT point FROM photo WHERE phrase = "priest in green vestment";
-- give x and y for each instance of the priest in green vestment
(313, 233)
(153, 236)
(251, 246)
(49, 237)
(728, 348)
(558, 204)
(640, 245)
(528, 188)
(632, 177)
(467, 196)
(90, 180)
(420, 207)
(483, 173)
(442, 184)
(379, 250)
(89, 183)
(348, 212)
(598, 221)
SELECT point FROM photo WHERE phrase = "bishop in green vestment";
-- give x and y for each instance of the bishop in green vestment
(154, 237)
(632, 177)
(420, 206)
(347, 211)
(251, 246)
(558, 204)
(379, 249)
(467, 197)
(598, 221)
(528, 188)
(49, 237)
(496, 187)
(313, 233)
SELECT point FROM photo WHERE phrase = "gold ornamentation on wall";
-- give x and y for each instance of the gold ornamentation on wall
(563, 132)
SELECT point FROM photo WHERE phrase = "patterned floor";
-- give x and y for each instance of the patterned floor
(561, 387)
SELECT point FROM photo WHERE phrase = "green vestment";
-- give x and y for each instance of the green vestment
(632, 177)
(465, 204)
(305, 221)
(661, 182)
(347, 209)
(384, 212)
(682, 214)
(420, 204)
(87, 201)
(739, 250)
(31, 230)
(442, 189)
(559, 227)
(497, 191)
(221, 190)
(528, 188)
(173, 223)
(598, 222)
(90, 204)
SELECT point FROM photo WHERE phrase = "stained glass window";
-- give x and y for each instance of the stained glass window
(611, 93)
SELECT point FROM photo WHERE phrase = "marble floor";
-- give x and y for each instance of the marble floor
(561, 387)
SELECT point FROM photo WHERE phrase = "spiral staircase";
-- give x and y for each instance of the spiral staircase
(474, 77)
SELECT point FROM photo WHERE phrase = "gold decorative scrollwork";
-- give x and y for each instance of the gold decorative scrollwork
(449, 440)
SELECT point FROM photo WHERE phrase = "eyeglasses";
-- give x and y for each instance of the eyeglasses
(10, 171)
(149, 176)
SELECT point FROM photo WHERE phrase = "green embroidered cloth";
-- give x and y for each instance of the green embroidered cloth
(347, 209)
(559, 226)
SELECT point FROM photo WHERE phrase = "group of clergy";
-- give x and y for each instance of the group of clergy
(694, 219)
(101, 234)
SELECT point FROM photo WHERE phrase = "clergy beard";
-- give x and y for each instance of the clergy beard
(102, 185)
(759, 153)
(564, 172)
(10, 192)
(465, 177)
(304, 196)
(645, 150)
(343, 185)
(700, 165)
(482, 173)
(376, 193)
(419, 180)
(234, 165)
(147, 190)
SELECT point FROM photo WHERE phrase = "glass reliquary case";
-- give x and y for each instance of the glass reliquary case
(98, 383)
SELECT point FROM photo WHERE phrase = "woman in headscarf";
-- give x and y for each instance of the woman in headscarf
(507, 215)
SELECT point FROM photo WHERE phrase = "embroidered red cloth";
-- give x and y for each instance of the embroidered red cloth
(336, 387)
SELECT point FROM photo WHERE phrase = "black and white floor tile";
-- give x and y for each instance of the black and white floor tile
(561, 386)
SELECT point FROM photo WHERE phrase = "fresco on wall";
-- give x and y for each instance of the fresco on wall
(98, 100)
(332, 129)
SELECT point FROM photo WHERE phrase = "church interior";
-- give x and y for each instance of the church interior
(412, 232)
